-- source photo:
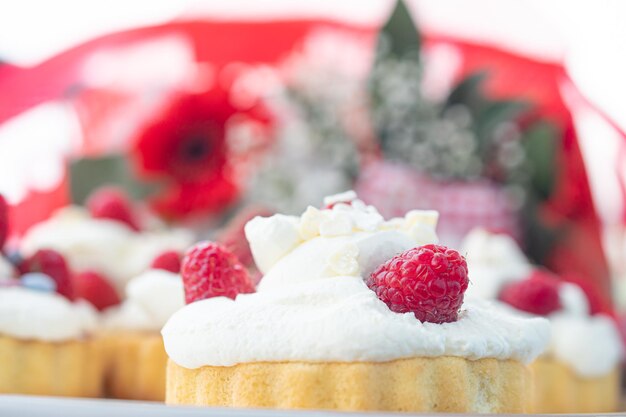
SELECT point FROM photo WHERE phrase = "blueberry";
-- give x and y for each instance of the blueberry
(38, 281)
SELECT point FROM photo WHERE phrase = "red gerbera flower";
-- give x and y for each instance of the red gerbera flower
(187, 146)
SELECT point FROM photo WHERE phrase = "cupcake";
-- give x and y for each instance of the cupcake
(579, 372)
(46, 339)
(108, 236)
(353, 313)
(136, 359)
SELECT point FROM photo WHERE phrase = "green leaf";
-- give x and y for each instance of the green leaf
(540, 143)
(539, 238)
(495, 113)
(468, 92)
(88, 174)
(399, 36)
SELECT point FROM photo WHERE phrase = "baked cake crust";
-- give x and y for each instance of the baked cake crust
(73, 368)
(439, 384)
(558, 389)
(136, 364)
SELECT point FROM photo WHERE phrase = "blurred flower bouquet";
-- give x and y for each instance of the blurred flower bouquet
(478, 161)
(212, 134)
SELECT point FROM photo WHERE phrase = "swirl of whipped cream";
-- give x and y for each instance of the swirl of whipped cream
(313, 304)
(152, 298)
(495, 259)
(107, 246)
(45, 316)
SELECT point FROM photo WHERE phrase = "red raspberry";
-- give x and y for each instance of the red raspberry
(210, 270)
(428, 280)
(169, 261)
(537, 294)
(96, 289)
(51, 263)
(4, 221)
(113, 204)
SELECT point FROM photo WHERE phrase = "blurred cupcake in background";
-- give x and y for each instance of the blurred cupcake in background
(46, 334)
(580, 371)
(135, 356)
(110, 236)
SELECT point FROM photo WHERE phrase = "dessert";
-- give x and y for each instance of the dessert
(579, 373)
(104, 245)
(46, 342)
(136, 359)
(335, 323)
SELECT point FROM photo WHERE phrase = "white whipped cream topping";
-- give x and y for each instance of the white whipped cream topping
(313, 304)
(261, 229)
(152, 298)
(590, 345)
(573, 300)
(45, 316)
(338, 319)
(106, 246)
(494, 260)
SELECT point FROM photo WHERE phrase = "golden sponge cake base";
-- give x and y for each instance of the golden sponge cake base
(558, 389)
(136, 364)
(71, 369)
(441, 384)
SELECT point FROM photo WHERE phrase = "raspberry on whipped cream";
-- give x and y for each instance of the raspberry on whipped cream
(428, 281)
(168, 260)
(537, 294)
(210, 270)
(113, 204)
(95, 288)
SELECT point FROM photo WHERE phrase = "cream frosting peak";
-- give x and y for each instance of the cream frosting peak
(493, 260)
(273, 238)
(151, 298)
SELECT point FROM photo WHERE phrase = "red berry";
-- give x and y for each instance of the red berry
(96, 289)
(209, 270)
(169, 261)
(428, 280)
(537, 294)
(113, 204)
(51, 263)
(4, 221)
